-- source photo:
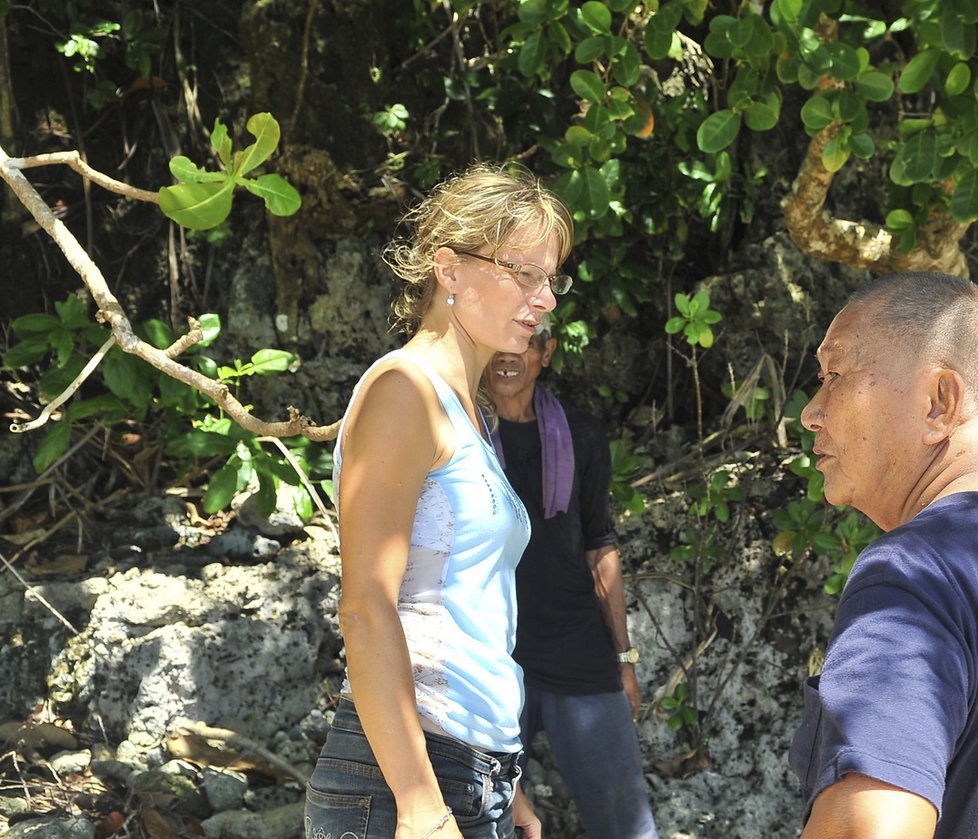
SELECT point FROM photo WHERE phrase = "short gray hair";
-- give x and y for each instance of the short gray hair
(928, 314)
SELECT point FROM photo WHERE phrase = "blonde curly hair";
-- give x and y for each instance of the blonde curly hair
(481, 206)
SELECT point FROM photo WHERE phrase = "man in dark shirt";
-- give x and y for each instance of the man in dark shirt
(889, 745)
(571, 636)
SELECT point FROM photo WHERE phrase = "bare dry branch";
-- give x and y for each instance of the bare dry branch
(73, 160)
(110, 311)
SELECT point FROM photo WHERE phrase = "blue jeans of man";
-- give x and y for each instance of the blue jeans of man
(596, 747)
(348, 798)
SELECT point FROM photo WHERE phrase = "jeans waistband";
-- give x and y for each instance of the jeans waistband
(495, 764)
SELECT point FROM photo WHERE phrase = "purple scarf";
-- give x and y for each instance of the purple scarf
(557, 449)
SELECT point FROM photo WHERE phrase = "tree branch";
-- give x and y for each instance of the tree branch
(856, 243)
(110, 311)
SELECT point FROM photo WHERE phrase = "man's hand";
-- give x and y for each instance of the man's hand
(524, 816)
(860, 807)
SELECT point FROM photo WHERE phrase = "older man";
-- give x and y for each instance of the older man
(889, 746)
(571, 636)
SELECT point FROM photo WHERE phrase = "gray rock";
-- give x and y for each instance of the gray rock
(49, 827)
(224, 789)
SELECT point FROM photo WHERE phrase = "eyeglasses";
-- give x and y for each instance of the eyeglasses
(527, 274)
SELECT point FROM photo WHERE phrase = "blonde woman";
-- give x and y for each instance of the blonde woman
(425, 740)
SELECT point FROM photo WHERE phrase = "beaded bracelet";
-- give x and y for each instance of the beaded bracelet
(441, 823)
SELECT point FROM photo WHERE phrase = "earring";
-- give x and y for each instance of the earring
(451, 299)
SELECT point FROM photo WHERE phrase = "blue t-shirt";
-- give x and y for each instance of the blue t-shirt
(457, 601)
(896, 699)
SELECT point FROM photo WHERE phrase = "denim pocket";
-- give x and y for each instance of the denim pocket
(333, 816)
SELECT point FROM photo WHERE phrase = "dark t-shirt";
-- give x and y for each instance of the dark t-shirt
(898, 696)
(562, 641)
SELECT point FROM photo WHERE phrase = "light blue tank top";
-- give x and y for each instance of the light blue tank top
(457, 601)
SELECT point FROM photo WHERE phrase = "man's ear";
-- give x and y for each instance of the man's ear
(445, 263)
(548, 351)
(946, 403)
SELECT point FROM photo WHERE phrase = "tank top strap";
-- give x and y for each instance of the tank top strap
(448, 397)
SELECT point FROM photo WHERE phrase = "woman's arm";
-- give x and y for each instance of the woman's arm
(392, 439)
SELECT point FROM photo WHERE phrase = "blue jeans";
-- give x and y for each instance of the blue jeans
(596, 747)
(348, 798)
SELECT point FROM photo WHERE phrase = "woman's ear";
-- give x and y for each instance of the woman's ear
(946, 402)
(445, 263)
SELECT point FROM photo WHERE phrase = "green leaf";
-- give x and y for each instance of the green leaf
(222, 486)
(37, 324)
(197, 206)
(964, 200)
(835, 154)
(897, 220)
(862, 146)
(958, 79)
(71, 312)
(210, 325)
(158, 333)
(587, 85)
(718, 131)
(596, 16)
(221, 143)
(176, 394)
(271, 361)
(590, 49)
(125, 376)
(280, 197)
(763, 116)
(264, 128)
(184, 169)
(26, 352)
(875, 86)
(531, 55)
(627, 68)
(915, 160)
(918, 71)
(958, 36)
(53, 444)
(817, 113)
(657, 38)
(594, 192)
(105, 404)
(63, 342)
(845, 61)
(675, 324)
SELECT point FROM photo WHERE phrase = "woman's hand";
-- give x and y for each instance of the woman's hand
(524, 816)
(418, 824)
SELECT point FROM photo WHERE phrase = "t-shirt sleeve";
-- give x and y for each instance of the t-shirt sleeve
(593, 458)
(891, 700)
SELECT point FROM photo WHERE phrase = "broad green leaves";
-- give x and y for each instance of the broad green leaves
(204, 198)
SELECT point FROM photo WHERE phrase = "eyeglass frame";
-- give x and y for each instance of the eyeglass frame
(516, 267)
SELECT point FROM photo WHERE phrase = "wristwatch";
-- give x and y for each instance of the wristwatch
(630, 656)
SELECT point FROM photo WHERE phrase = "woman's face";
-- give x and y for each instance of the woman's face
(496, 307)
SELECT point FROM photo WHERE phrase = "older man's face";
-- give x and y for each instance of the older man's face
(864, 416)
(510, 374)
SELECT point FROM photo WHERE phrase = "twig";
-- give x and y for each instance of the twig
(73, 160)
(305, 480)
(110, 311)
(16, 505)
(238, 741)
(51, 407)
(37, 596)
(300, 91)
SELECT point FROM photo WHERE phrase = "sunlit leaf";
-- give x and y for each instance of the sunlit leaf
(718, 131)
(197, 206)
(280, 197)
